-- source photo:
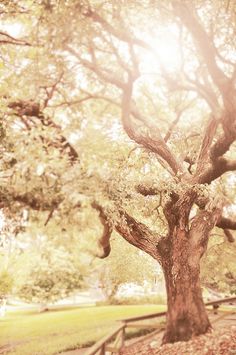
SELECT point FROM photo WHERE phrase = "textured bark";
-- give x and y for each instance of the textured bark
(185, 245)
(186, 316)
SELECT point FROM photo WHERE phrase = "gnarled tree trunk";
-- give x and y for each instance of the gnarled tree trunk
(184, 247)
(186, 314)
(179, 253)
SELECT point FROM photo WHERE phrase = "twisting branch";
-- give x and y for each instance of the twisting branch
(134, 232)
(222, 145)
(219, 167)
(104, 240)
(226, 223)
(200, 229)
(204, 154)
(139, 235)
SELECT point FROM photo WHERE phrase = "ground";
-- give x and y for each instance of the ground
(221, 341)
(30, 332)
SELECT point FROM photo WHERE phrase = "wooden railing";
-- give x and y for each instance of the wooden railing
(117, 335)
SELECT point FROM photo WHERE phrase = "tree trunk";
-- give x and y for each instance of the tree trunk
(3, 304)
(43, 307)
(186, 315)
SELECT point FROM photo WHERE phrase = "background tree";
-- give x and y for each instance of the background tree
(6, 285)
(218, 269)
(85, 65)
(54, 276)
(121, 268)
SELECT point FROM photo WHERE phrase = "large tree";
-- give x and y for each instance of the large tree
(88, 63)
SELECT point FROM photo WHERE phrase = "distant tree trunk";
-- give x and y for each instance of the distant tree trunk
(43, 307)
(3, 304)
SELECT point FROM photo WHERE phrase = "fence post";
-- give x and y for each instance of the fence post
(122, 343)
(103, 349)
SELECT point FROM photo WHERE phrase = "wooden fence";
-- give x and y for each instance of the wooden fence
(117, 335)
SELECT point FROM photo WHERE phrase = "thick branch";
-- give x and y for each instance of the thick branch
(222, 222)
(223, 143)
(226, 223)
(134, 232)
(200, 229)
(204, 155)
(216, 169)
(139, 235)
(104, 240)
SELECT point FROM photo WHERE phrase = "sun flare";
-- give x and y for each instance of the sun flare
(164, 52)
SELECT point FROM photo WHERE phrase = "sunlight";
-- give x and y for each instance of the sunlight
(14, 29)
(166, 51)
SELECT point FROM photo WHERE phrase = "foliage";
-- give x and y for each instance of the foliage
(125, 265)
(6, 284)
(54, 275)
(218, 267)
(141, 300)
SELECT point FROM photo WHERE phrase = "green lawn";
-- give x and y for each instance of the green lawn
(32, 333)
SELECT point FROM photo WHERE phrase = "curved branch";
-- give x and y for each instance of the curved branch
(217, 168)
(134, 232)
(139, 235)
(223, 143)
(104, 240)
(226, 223)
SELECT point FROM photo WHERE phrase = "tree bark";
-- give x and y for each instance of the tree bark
(186, 315)
(179, 254)
(184, 246)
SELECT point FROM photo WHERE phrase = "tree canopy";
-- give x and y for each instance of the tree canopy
(121, 116)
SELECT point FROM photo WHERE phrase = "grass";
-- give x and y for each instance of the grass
(32, 333)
